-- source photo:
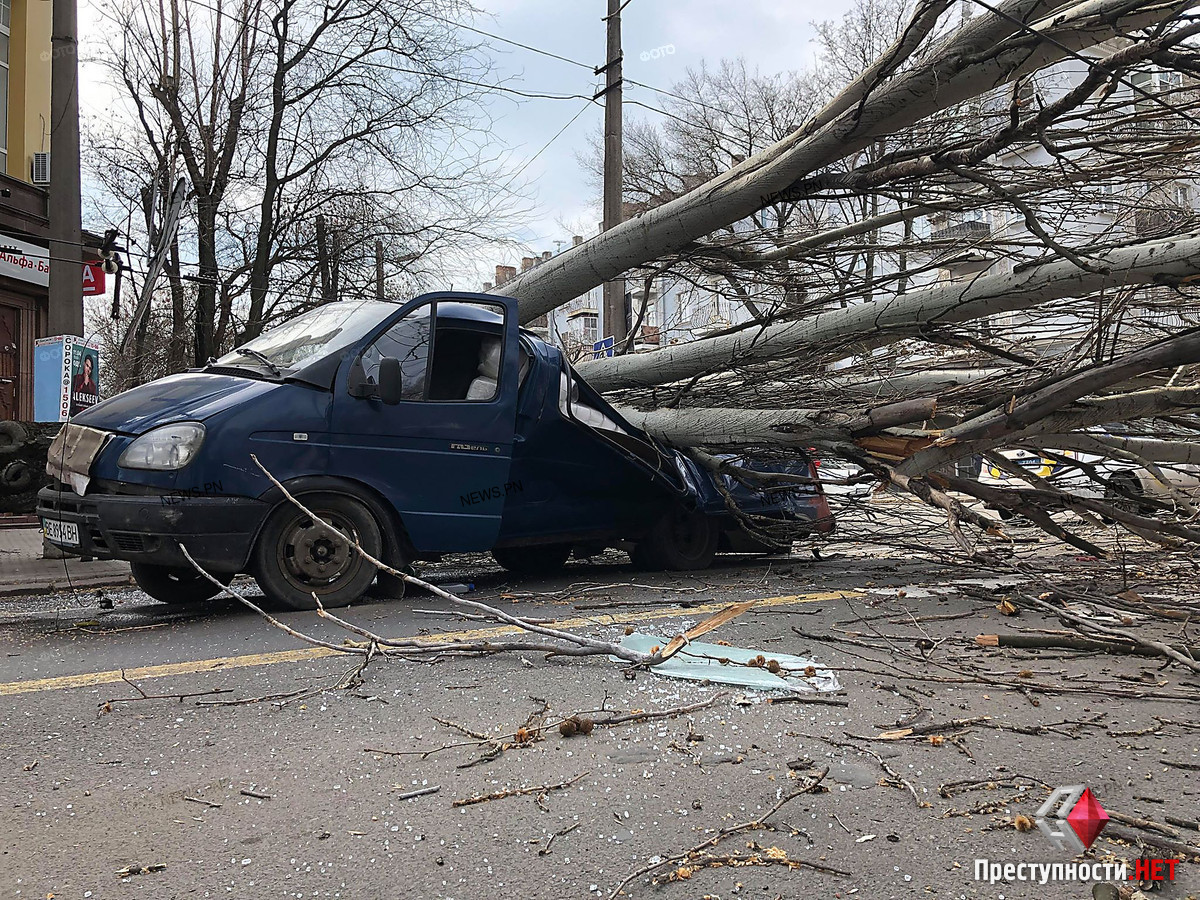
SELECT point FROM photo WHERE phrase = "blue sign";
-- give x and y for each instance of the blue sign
(603, 347)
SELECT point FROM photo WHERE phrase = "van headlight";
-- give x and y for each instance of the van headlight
(164, 449)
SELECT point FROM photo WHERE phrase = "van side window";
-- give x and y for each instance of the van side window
(408, 341)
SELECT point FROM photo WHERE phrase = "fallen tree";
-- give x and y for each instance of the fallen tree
(991, 50)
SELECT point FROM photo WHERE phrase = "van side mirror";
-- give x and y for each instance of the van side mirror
(390, 382)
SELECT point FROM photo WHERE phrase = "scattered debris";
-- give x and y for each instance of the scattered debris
(135, 869)
(736, 666)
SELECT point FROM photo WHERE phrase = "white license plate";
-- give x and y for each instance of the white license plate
(65, 533)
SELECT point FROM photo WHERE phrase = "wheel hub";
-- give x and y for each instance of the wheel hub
(314, 556)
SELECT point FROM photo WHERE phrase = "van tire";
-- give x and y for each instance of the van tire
(1122, 490)
(295, 557)
(537, 559)
(176, 586)
(681, 541)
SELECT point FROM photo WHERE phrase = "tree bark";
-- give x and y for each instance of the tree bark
(789, 427)
(865, 326)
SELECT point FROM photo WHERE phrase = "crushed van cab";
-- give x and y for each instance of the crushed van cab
(415, 430)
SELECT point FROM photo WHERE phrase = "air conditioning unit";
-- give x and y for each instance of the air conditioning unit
(41, 168)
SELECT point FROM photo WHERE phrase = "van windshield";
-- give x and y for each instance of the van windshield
(309, 337)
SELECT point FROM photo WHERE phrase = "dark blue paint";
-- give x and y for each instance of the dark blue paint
(531, 475)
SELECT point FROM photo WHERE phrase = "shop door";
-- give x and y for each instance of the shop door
(9, 362)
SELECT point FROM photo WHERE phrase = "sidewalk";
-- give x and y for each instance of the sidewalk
(23, 571)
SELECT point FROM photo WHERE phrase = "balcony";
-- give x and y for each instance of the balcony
(968, 232)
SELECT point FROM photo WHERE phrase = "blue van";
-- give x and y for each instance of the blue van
(436, 426)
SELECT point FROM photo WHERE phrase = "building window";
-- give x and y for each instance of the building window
(1108, 201)
(588, 329)
(1180, 195)
(5, 19)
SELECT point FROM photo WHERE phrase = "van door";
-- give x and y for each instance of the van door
(441, 454)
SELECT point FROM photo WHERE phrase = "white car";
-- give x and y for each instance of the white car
(838, 478)
(1118, 481)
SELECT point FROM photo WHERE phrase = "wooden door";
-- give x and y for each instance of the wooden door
(10, 361)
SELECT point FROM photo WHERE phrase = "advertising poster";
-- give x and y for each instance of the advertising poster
(85, 377)
(66, 377)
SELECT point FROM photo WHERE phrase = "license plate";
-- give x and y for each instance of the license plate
(57, 532)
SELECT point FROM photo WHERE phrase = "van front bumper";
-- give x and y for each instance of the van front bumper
(148, 528)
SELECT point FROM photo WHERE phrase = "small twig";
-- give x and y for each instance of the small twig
(809, 788)
(540, 790)
(248, 793)
(627, 718)
(107, 705)
(420, 793)
(542, 851)
(208, 803)
(809, 698)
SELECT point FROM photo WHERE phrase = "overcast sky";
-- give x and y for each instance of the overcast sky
(662, 39)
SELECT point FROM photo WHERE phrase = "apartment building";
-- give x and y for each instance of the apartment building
(25, 56)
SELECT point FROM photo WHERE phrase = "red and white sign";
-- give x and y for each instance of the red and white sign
(28, 262)
(93, 279)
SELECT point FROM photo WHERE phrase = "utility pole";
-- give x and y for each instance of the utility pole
(379, 270)
(66, 258)
(615, 314)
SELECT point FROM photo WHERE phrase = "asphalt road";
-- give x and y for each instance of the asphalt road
(234, 794)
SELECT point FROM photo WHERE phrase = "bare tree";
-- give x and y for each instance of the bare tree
(368, 113)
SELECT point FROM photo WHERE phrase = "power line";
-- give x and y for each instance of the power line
(496, 37)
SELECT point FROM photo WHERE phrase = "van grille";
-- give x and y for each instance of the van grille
(129, 541)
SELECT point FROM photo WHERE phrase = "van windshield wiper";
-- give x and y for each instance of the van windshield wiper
(261, 357)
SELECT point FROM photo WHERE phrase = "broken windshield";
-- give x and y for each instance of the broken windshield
(309, 337)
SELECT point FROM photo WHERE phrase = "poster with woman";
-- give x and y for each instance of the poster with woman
(85, 377)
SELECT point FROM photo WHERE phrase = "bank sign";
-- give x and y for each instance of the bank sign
(29, 262)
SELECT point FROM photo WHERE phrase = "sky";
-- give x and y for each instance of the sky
(661, 39)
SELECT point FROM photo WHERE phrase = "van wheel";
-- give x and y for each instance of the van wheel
(176, 586)
(680, 541)
(539, 559)
(296, 556)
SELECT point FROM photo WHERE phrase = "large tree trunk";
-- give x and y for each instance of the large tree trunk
(788, 427)
(865, 326)
(206, 287)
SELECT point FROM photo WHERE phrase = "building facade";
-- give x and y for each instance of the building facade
(25, 57)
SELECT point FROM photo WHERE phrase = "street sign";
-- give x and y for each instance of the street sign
(93, 279)
(604, 347)
(31, 263)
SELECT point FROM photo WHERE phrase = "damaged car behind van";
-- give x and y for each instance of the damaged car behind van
(436, 426)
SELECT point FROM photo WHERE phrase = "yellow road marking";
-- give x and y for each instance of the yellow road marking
(93, 679)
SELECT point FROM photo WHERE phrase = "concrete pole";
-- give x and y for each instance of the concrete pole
(66, 270)
(614, 291)
(379, 270)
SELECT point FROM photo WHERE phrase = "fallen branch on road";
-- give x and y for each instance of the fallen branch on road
(107, 705)
(541, 790)
(812, 787)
